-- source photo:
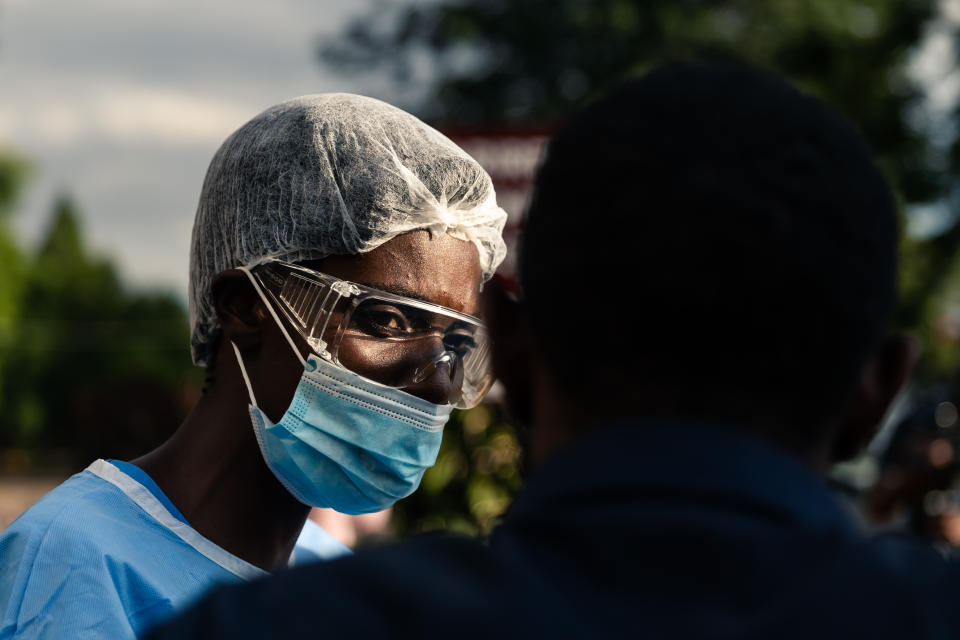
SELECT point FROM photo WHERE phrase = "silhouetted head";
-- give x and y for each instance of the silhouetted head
(709, 242)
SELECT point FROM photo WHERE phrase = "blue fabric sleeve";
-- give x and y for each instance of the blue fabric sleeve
(55, 585)
(88, 562)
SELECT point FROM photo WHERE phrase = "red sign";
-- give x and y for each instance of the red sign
(511, 156)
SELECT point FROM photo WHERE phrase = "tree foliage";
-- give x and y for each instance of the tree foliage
(505, 61)
(13, 173)
(531, 62)
(476, 474)
(501, 61)
(91, 369)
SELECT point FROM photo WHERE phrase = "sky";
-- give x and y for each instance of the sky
(122, 103)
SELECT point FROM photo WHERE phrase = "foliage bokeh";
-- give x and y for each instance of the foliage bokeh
(501, 63)
(533, 61)
(478, 470)
(89, 369)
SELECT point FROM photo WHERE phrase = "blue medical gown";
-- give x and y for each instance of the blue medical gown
(101, 556)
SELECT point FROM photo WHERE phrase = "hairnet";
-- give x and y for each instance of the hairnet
(332, 174)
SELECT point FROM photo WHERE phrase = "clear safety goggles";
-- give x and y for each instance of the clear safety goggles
(390, 339)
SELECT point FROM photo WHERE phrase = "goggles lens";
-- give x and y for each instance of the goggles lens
(390, 339)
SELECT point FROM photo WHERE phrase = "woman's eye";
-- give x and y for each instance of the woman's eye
(384, 319)
(460, 343)
(388, 320)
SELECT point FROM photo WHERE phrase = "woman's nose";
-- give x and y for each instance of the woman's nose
(439, 380)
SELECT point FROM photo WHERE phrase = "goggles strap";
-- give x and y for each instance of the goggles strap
(243, 371)
(276, 318)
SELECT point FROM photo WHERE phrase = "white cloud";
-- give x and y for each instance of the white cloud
(126, 114)
(165, 116)
(122, 104)
(951, 10)
(52, 124)
(933, 67)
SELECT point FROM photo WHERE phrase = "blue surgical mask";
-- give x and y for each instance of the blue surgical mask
(346, 442)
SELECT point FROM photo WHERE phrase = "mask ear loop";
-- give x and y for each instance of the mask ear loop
(276, 318)
(243, 371)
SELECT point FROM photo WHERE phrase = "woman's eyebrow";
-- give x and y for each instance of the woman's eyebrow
(399, 290)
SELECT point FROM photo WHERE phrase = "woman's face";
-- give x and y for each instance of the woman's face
(441, 270)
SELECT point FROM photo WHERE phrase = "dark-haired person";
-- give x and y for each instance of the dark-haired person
(338, 252)
(708, 279)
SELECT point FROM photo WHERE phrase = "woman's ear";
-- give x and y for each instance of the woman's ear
(240, 310)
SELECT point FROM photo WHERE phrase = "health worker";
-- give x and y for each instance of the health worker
(338, 252)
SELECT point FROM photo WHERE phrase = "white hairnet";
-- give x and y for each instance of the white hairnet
(332, 174)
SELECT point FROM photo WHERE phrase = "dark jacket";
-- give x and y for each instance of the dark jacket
(650, 531)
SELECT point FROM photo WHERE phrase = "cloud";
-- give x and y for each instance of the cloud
(165, 117)
(122, 104)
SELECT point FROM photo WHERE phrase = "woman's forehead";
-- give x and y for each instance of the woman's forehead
(438, 269)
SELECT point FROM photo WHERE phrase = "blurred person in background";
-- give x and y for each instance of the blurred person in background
(338, 252)
(708, 276)
(351, 529)
(917, 491)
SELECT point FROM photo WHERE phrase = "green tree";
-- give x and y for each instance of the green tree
(94, 370)
(476, 474)
(502, 62)
(13, 173)
(507, 61)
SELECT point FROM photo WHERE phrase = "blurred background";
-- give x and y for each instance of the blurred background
(110, 111)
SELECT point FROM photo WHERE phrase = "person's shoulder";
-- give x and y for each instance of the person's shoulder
(44, 552)
(421, 572)
(69, 519)
(63, 513)
(895, 581)
(412, 587)
(914, 562)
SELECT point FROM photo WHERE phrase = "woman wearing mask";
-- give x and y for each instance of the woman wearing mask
(338, 252)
